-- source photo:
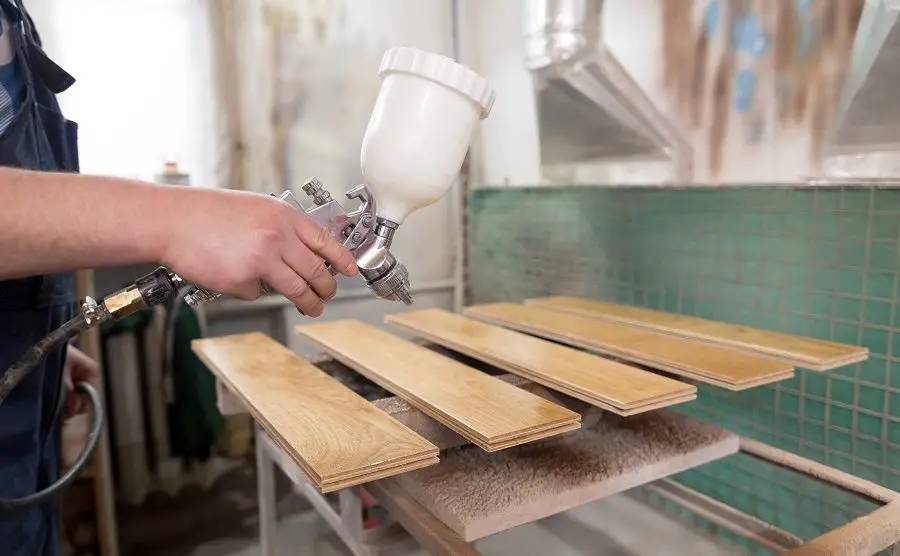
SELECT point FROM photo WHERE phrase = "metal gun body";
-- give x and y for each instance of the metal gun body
(367, 237)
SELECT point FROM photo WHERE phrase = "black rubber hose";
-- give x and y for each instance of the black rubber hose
(38, 352)
(20, 369)
(84, 458)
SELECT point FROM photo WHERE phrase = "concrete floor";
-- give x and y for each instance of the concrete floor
(615, 526)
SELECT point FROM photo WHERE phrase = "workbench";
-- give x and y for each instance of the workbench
(417, 511)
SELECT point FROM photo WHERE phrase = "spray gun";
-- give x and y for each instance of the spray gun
(414, 146)
(361, 231)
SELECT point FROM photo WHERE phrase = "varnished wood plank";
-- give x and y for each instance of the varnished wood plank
(801, 351)
(721, 366)
(488, 412)
(337, 437)
(614, 386)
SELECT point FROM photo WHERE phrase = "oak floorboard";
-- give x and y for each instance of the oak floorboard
(610, 385)
(720, 366)
(337, 437)
(483, 409)
(808, 353)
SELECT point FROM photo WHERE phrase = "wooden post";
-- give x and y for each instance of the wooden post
(104, 497)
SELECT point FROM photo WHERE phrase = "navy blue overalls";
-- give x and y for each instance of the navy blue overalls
(38, 138)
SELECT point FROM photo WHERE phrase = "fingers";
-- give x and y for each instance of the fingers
(289, 284)
(320, 242)
(311, 268)
(71, 398)
(76, 404)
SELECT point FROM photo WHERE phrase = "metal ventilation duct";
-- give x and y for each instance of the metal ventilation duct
(589, 109)
(869, 113)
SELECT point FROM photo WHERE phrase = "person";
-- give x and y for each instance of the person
(54, 220)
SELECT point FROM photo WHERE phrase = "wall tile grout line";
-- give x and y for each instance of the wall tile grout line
(821, 262)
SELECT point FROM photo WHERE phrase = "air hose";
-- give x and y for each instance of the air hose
(152, 289)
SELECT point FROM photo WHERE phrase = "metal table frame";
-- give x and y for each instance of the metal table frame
(866, 535)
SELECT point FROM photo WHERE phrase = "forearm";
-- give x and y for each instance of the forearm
(52, 222)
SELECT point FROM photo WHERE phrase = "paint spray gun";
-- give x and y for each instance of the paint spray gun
(414, 146)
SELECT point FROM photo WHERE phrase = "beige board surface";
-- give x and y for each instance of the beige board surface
(337, 437)
(483, 409)
(723, 367)
(613, 386)
(477, 494)
(808, 353)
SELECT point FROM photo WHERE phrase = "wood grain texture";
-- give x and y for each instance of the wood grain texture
(723, 367)
(488, 412)
(613, 386)
(808, 353)
(337, 437)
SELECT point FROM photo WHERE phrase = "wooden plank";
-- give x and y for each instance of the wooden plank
(486, 411)
(477, 494)
(801, 351)
(104, 487)
(723, 367)
(607, 384)
(337, 437)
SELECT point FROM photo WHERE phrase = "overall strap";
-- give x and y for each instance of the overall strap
(27, 23)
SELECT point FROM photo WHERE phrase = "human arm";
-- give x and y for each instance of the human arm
(226, 241)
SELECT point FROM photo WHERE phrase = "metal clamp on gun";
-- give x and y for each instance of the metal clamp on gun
(413, 149)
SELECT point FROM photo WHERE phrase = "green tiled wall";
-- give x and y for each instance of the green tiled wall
(819, 262)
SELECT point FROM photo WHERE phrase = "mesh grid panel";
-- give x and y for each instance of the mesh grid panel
(821, 262)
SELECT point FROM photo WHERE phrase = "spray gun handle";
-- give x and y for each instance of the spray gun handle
(198, 296)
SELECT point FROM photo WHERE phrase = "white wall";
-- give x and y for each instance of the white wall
(508, 140)
(143, 82)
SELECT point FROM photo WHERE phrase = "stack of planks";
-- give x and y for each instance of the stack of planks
(488, 412)
(716, 365)
(606, 384)
(807, 353)
(338, 438)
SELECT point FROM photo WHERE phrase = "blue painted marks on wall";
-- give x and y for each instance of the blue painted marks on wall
(744, 89)
(711, 17)
(748, 36)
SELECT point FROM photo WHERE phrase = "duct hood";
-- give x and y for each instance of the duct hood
(589, 109)
(869, 112)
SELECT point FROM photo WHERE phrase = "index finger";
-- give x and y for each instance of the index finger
(321, 242)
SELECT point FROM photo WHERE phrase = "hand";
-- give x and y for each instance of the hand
(79, 367)
(231, 242)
